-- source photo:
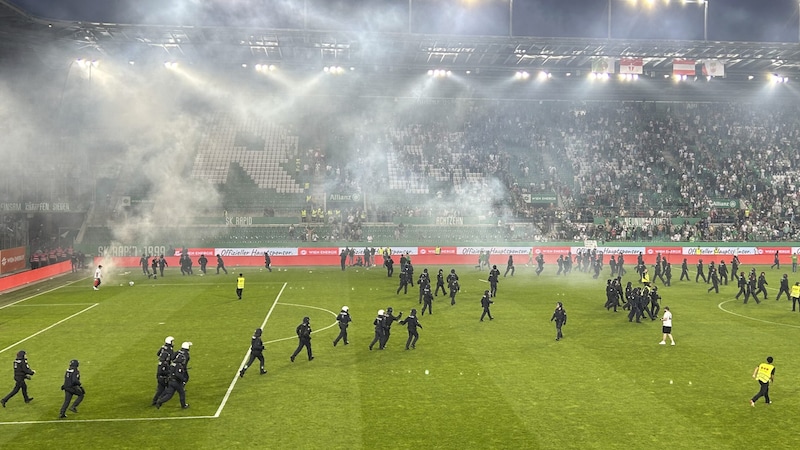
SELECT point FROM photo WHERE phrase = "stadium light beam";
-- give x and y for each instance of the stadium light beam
(703, 3)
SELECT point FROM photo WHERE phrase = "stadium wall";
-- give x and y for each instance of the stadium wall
(31, 276)
(330, 256)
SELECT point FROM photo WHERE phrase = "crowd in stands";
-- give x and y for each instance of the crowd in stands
(733, 165)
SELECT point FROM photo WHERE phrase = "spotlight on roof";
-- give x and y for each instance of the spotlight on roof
(333, 70)
(543, 76)
(171, 65)
(521, 75)
(749, 77)
(439, 73)
(132, 62)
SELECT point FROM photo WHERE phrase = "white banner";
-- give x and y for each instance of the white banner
(256, 251)
(720, 251)
(494, 250)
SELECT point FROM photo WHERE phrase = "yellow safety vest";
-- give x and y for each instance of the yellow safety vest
(796, 291)
(764, 372)
(240, 283)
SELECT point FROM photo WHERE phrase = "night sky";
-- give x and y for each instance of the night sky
(728, 20)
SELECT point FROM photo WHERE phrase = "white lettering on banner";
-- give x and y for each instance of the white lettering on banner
(131, 250)
(639, 221)
(255, 251)
(243, 221)
(11, 206)
(37, 206)
(319, 252)
(720, 251)
(12, 260)
(395, 251)
(60, 207)
(494, 250)
(613, 250)
(449, 221)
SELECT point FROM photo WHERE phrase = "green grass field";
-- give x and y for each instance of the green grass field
(499, 384)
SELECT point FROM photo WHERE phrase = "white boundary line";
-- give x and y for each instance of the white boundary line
(246, 354)
(313, 332)
(753, 318)
(128, 419)
(41, 293)
(45, 329)
(143, 419)
(54, 304)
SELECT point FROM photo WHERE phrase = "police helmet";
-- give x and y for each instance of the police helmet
(306, 319)
(494, 266)
(186, 345)
(169, 340)
(345, 308)
(486, 292)
(389, 310)
(452, 270)
(413, 311)
(21, 354)
(559, 304)
(73, 364)
(380, 312)
(258, 332)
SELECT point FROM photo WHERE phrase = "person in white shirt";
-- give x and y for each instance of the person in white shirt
(98, 274)
(666, 327)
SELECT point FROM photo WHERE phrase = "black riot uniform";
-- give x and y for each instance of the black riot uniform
(486, 303)
(440, 283)
(72, 387)
(343, 319)
(179, 376)
(165, 355)
(22, 372)
(221, 265)
(539, 264)
(304, 339)
(427, 298)
(452, 284)
(388, 319)
(510, 266)
(256, 352)
(560, 318)
(203, 261)
(412, 323)
(379, 328)
(404, 277)
(493, 280)
(784, 288)
(423, 281)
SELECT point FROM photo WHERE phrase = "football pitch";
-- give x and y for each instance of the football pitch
(468, 384)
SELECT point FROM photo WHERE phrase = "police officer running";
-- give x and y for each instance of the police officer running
(344, 321)
(304, 338)
(72, 387)
(256, 352)
(178, 378)
(412, 323)
(165, 355)
(22, 372)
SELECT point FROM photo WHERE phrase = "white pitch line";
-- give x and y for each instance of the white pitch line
(246, 354)
(54, 304)
(753, 318)
(124, 419)
(51, 326)
(41, 293)
(313, 332)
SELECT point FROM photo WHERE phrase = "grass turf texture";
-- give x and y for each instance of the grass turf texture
(495, 384)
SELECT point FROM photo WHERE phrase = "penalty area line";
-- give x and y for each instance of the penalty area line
(753, 318)
(51, 326)
(246, 354)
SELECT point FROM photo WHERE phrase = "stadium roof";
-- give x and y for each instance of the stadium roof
(296, 48)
